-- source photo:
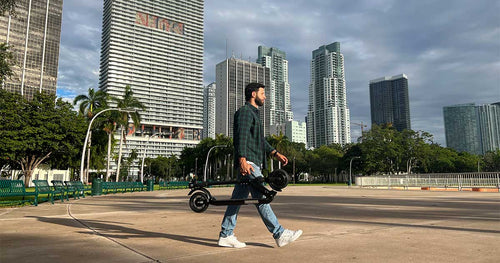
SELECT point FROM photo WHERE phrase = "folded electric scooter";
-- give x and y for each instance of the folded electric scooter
(201, 197)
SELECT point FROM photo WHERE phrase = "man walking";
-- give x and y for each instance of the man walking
(251, 151)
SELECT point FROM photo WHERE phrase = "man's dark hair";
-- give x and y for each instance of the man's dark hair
(251, 87)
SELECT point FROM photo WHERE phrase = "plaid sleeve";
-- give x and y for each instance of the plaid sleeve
(242, 124)
(268, 147)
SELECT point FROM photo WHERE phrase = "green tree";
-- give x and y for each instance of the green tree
(8, 6)
(7, 60)
(42, 129)
(324, 160)
(129, 102)
(281, 143)
(165, 167)
(414, 148)
(491, 161)
(382, 149)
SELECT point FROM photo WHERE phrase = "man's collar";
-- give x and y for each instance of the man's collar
(251, 106)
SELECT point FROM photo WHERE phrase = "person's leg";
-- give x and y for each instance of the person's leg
(265, 210)
(229, 220)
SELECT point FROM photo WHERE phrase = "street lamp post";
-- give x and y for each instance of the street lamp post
(294, 170)
(350, 169)
(144, 156)
(206, 162)
(87, 137)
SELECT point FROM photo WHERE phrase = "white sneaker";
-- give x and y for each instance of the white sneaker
(288, 236)
(231, 241)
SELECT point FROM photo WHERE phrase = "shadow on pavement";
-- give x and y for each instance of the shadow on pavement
(115, 230)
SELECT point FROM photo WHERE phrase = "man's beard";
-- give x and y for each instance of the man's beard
(259, 102)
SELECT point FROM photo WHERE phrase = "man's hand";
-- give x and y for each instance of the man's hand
(281, 158)
(245, 168)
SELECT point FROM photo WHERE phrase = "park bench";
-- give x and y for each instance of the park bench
(59, 186)
(9, 188)
(82, 189)
(108, 186)
(43, 187)
(72, 189)
(138, 186)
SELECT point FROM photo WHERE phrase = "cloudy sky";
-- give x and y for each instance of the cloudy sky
(450, 50)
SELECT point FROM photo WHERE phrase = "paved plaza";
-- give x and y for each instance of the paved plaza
(339, 224)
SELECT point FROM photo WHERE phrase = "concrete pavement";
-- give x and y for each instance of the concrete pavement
(339, 224)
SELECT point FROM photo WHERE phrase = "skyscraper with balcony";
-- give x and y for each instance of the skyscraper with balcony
(278, 101)
(328, 119)
(232, 76)
(389, 102)
(33, 35)
(209, 103)
(156, 47)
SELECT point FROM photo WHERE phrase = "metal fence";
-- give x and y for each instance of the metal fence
(448, 180)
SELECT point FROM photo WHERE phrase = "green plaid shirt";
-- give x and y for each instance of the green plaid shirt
(249, 141)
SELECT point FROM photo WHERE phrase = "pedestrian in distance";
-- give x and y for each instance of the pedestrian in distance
(251, 151)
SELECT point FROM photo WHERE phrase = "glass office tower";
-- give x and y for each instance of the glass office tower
(33, 35)
(389, 102)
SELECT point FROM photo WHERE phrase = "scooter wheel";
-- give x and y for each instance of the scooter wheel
(198, 202)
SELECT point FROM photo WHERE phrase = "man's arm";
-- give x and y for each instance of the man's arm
(280, 157)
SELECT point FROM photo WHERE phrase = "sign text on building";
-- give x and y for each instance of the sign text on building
(159, 23)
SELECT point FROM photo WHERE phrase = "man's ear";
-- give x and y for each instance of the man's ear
(254, 94)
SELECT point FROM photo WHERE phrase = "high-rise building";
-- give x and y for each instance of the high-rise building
(156, 47)
(489, 126)
(389, 102)
(232, 75)
(209, 103)
(295, 131)
(328, 119)
(33, 35)
(461, 125)
(278, 101)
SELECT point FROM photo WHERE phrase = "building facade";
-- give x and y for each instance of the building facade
(279, 107)
(33, 35)
(209, 103)
(461, 125)
(328, 119)
(389, 102)
(232, 75)
(156, 47)
(489, 126)
(295, 131)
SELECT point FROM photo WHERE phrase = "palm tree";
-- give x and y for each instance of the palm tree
(279, 142)
(88, 105)
(108, 124)
(127, 102)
